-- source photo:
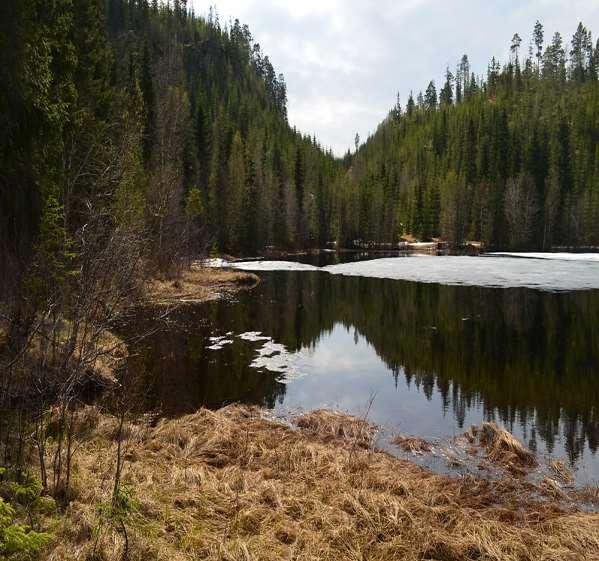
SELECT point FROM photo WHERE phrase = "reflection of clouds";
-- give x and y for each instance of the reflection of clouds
(331, 359)
(345, 374)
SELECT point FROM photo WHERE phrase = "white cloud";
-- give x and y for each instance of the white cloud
(344, 60)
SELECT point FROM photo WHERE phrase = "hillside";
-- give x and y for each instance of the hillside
(148, 112)
(510, 159)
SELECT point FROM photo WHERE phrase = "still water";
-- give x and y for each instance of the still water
(421, 358)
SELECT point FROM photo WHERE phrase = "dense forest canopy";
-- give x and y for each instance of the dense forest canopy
(511, 159)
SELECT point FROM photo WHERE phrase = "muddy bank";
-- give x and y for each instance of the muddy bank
(235, 485)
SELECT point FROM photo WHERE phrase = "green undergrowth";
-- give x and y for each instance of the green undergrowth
(22, 507)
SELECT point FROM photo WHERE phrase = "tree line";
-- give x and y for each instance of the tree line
(510, 159)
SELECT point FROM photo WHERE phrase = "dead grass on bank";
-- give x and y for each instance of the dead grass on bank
(502, 448)
(230, 485)
(198, 285)
(335, 425)
(98, 354)
(561, 472)
(413, 444)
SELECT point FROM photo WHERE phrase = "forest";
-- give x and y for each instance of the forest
(510, 159)
(174, 127)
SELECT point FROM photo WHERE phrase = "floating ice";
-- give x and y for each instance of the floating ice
(550, 273)
(218, 343)
(254, 336)
(275, 357)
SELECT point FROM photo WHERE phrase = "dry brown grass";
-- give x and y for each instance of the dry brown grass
(502, 448)
(412, 444)
(231, 485)
(588, 494)
(98, 356)
(561, 472)
(198, 285)
(336, 425)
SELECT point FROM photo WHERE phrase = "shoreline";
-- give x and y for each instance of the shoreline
(429, 248)
(234, 484)
(197, 285)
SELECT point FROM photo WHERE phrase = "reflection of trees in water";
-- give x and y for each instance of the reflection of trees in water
(529, 358)
(180, 374)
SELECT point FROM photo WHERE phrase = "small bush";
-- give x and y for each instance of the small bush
(17, 541)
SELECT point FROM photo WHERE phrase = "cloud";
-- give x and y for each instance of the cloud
(345, 60)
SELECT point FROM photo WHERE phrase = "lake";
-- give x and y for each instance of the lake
(424, 346)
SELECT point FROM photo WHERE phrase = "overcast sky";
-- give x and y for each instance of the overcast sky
(345, 60)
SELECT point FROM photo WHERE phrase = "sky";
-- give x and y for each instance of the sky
(344, 61)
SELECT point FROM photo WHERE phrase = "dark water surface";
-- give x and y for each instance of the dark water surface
(433, 359)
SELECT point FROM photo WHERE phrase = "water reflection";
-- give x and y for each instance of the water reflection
(437, 358)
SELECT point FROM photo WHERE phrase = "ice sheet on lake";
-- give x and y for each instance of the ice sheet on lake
(501, 271)
(554, 256)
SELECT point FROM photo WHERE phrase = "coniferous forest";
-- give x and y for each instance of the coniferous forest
(511, 159)
(175, 126)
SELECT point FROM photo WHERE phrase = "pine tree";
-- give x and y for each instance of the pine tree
(539, 37)
(578, 54)
(446, 95)
(515, 46)
(430, 98)
(411, 105)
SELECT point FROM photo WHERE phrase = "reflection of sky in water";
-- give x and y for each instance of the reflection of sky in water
(343, 371)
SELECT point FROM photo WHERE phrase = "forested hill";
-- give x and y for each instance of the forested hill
(511, 159)
(151, 114)
(142, 117)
